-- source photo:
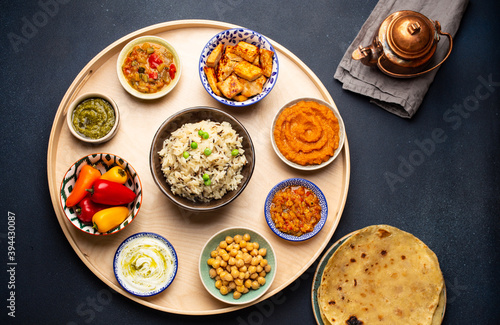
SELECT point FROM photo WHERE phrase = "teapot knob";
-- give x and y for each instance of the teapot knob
(414, 28)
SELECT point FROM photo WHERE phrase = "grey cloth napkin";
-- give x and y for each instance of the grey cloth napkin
(399, 96)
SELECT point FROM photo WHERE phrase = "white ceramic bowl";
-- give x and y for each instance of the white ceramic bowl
(126, 50)
(76, 102)
(341, 135)
(103, 162)
(212, 244)
(168, 256)
(232, 37)
(296, 182)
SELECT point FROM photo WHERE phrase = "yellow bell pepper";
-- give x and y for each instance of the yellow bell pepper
(115, 174)
(109, 218)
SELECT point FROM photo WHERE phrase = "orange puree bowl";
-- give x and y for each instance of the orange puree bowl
(300, 139)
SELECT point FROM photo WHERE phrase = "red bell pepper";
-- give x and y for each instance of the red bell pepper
(153, 75)
(172, 70)
(86, 209)
(154, 61)
(111, 193)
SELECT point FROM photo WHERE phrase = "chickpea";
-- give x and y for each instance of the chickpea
(215, 264)
(239, 263)
(256, 245)
(240, 288)
(262, 274)
(259, 268)
(238, 282)
(254, 276)
(228, 277)
(219, 270)
(254, 252)
(252, 269)
(236, 295)
(225, 256)
(254, 261)
(212, 273)
(267, 268)
(250, 246)
(210, 261)
(246, 290)
(261, 280)
(237, 239)
(246, 237)
(255, 285)
(243, 269)
(243, 243)
(247, 258)
(223, 263)
(263, 262)
(218, 284)
(224, 290)
(213, 254)
(231, 286)
(233, 252)
(231, 261)
(248, 283)
(235, 274)
(263, 252)
(229, 239)
(223, 244)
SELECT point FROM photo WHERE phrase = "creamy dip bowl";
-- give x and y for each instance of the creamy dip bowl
(145, 264)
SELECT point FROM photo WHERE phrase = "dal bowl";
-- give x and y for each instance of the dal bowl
(209, 282)
(194, 115)
(103, 162)
(232, 37)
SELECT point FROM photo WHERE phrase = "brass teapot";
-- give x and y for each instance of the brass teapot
(404, 46)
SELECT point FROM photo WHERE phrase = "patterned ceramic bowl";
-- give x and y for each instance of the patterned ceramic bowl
(128, 48)
(296, 182)
(204, 269)
(155, 252)
(232, 37)
(103, 162)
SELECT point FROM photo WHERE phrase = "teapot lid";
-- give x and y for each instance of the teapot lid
(410, 35)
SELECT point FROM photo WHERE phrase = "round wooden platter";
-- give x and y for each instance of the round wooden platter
(188, 231)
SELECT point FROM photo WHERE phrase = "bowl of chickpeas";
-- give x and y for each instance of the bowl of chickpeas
(237, 265)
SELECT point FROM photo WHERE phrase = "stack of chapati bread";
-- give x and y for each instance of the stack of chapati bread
(382, 275)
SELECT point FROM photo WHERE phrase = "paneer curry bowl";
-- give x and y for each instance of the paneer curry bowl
(238, 67)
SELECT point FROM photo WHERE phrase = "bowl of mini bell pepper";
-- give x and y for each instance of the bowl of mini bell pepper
(101, 194)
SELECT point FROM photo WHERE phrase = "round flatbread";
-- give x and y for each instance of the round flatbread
(381, 275)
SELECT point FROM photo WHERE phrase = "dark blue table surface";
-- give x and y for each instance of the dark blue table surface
(447, 193)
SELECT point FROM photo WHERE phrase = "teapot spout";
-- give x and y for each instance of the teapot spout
(368, 55)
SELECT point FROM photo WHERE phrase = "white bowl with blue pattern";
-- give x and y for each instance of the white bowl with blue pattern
(296, 182)
(232, 37)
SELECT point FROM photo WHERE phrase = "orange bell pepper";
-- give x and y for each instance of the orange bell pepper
(88, 175)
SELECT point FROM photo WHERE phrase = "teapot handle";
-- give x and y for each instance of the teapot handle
(398, 75)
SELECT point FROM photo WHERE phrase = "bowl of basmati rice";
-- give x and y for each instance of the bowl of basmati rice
(202, 158)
